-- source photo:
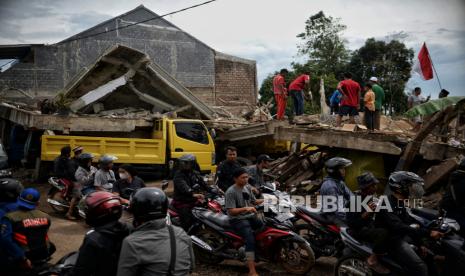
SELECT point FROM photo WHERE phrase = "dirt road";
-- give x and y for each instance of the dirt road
(68, 235)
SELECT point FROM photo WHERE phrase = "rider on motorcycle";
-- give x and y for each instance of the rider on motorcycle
(255, 172)
(28, 228)
(77, 151)
(334, 186)
(9, 250)
(453, 201)
(85, 172)
(185, 197)
(63, 166)
(154, 248)
(225, 170)
(240, 202)
(405, 186)
(105, 177)
(128, 179)
(100, 250)
(361, 224)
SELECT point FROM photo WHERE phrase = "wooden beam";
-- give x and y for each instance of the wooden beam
(337, 139)
(439, 172)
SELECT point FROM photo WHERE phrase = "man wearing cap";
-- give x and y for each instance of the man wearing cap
(28, 227)
(361, 224)
(256, 172)
(379, 101)
(75, 160)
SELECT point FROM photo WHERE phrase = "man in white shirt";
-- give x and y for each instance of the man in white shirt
(413, 100)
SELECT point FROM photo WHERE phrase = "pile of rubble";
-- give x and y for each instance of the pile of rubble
(299, 173)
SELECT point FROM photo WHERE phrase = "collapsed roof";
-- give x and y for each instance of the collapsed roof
(124, 77)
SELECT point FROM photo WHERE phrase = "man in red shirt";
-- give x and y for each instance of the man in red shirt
(350, 98)
(296, 90)
(280, 93)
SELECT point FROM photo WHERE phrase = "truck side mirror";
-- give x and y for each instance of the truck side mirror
(212, 133)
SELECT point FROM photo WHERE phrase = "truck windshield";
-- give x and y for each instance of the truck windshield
(192, 131)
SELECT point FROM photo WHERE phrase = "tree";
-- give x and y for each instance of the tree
(391, 63)
(323, 44)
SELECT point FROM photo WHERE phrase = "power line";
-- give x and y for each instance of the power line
(140, 22)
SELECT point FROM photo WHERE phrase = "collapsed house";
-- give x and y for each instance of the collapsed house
(42, 71)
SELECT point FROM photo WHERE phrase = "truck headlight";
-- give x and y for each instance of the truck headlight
(213, 158)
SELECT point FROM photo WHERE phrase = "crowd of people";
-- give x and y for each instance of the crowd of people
(150, 246)
(346, 100)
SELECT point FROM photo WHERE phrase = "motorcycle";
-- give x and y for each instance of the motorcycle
(62, 267)
(60, 194)
(214, 240)
(322, 234)
(450, 247)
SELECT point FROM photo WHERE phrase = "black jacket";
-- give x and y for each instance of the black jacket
(454, 198)
(224, 172)
(99, 253)
(398, 222)
(184, 183)
(63, 167)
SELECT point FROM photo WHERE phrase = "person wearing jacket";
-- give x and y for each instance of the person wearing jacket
(453, 201)
(10, 252)
(404, 186)
(334, 186)
(128, 179)
(100, 250)
(186, 194)
(105, 177)
(63, 166)
(29, 230)
(224, 171)
(361, 224)
(85, 172)
(154, 248)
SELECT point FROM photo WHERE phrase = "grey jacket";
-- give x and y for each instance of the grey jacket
(147, 252)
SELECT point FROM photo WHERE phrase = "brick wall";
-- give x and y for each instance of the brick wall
(235, 80)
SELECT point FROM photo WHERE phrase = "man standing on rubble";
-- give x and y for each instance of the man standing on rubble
(224, 172)
(296, 90)
(280, 93)
(350, 99)
(413, 100)
(379, 101)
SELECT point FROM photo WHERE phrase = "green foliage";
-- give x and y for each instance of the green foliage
(391, 63)
(323, 44)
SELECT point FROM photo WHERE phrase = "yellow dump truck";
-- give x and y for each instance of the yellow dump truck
(34, 140)
(170, 139)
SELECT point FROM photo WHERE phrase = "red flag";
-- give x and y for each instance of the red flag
(423, 65)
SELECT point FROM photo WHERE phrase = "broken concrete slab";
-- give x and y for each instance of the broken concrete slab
(439, 172)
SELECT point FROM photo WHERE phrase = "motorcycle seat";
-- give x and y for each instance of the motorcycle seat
(426, 213)
(217, 218)
(318, 216)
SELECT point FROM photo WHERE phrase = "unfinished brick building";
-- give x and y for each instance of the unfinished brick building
(42, 71)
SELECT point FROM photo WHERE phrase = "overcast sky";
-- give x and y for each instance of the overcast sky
(264, 30)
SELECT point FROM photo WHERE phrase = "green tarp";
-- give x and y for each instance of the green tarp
(433, 106)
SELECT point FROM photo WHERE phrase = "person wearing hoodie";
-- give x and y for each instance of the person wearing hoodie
(99, 253)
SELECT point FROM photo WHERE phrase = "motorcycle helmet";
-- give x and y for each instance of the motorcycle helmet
(102, 207)
(186, 162)
(107, 159)
(334, 164)
(148, 204)
(84, 158)
(366, 179)
(10, 189)
(407, 184)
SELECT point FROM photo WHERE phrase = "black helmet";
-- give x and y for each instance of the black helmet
(366, 179)
(148, 204)
(186, 162)
(102, 207)
(107, 159)
(407, 184)
(10, 189)
(334, 164)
